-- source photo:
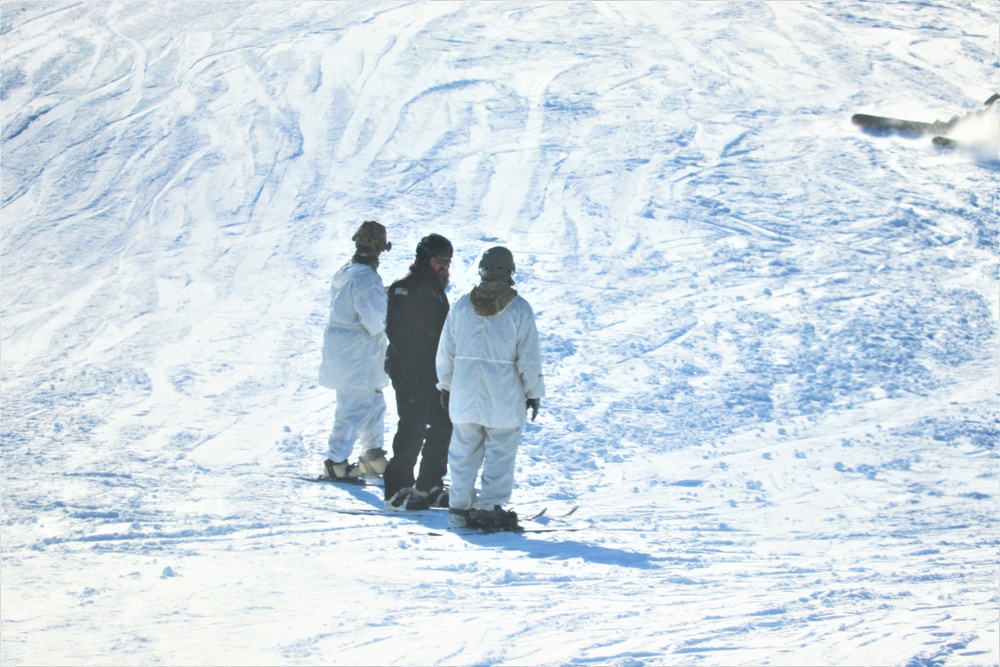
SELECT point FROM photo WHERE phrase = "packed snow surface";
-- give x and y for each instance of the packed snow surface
(770, 338)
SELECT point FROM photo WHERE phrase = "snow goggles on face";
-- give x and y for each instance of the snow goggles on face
(443, 261)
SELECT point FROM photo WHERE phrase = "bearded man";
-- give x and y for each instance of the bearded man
(417, 310)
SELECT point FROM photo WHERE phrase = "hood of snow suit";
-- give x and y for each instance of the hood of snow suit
(348, 271)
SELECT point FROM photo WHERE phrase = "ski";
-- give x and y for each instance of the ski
(374, 511)
(887, 124)
(556, 517)
(939, 128)
(559, 524)
(555, 528)
(558, 528)
(322, 479)
(537, 516)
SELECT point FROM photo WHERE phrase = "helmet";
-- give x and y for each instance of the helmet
(434, 245)
(371, 235)
(497, 264)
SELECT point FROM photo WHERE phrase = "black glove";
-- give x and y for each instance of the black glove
(533, 405)
(445, 395)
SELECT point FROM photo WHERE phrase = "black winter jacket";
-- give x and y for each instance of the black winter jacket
(416, 313)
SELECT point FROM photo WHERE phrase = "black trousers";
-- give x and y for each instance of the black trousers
(424, 431)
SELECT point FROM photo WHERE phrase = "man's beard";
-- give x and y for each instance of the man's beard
(426, 267)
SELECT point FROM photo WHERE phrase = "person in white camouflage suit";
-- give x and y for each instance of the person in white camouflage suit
(489, 368)
(354, 347)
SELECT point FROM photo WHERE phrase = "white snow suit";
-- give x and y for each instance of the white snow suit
(491, 366)
(354, 347)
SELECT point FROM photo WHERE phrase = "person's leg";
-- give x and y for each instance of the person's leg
(372, 460)
(373, 426)
(352, 410)
(465, 455)
(500, 450)
(406, 443)
(434, 456)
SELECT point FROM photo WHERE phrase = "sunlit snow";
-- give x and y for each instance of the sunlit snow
(770, 338)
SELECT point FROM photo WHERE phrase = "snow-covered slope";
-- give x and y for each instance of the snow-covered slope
(771, 339)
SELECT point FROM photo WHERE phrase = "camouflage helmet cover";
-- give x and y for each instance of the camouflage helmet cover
(371, 234)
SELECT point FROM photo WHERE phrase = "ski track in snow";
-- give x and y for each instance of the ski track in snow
(770, 339)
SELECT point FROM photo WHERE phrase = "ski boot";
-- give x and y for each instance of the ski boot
(458, 519)
(407, 499)
(371, 464)
(339, 472)
(438, 496)
(495, 520)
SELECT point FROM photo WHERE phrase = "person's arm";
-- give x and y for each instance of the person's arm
(399, 314)
(370, 303)
(445, 359)
(529, 356)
